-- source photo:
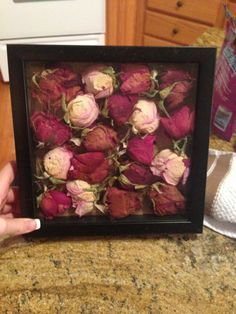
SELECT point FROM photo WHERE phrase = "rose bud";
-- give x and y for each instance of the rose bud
(121, 203)
(173, 75)
(180, 124)
(82, 111)
(120, 107)
(137, 175)
(57, 162)
(141, 149)
(97, 82)
(83, 197)
(91, 167)
(52, 83)
(169, 166)
(54, 203)
(49, 129)
(100, 138)
(145, 118)
(181, 82)
(135, 78)
(169, 201)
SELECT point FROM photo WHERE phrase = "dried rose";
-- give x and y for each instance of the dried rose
(57, 162)
(137, 175)
(50, 84)
(168, 201)
(180, 124)
(135, 79)
(82, 111)
(97, 81)
(174, 75)
(120, 107)
(49, 129)
(83, 197)
(145, 118)
(141, 149)
(91, 167)
(54, 203)
(100, 138)
(122, 203)
(169, 166)
(175, 87)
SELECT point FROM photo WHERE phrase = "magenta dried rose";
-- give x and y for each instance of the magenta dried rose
(175, 87)
(54, 203)
(122, 203)
(97, 81)
(120, 107)
(168, 201)
(137, 174)
(57, 162)
(50, 84)
(180, 124)
(135, 79)
(100, 138)
(91, 167)
(82, 111)
(169, 166)
(145, 118)
(48, 129)
(141, 149)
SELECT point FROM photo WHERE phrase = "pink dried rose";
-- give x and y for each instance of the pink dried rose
(82, 111)
(121, 203)
(57, 162)
(100, 138)
(135, 79)
(120, 107)
(54, 203)
(169, 166)
(168, 201)
(175, 87)
(141, 149)
(180, 124)
(49, 129)
(137, 174)
(97, 81)
(91, 167)
(145, 118)
(83, 196)
(51, 84)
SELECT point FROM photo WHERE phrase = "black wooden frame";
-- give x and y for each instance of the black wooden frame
(18, 55)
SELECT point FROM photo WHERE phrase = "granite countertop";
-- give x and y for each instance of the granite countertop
(138, 274)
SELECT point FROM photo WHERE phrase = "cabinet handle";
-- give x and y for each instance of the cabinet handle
(175, 31)
(179, 4)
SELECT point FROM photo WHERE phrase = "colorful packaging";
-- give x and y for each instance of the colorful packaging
(224, 97)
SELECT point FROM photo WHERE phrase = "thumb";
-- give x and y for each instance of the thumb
(17, 226)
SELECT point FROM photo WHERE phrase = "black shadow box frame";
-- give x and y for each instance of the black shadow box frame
(20, 55)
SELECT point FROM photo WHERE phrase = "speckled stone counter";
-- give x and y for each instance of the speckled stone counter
(143, 274)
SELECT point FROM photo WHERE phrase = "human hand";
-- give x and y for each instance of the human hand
(9, 206)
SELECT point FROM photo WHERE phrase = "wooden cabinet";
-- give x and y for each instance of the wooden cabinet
(162, 22)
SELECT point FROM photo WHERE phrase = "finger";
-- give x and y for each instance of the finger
(8, 215)
(12, 195)
(7, 175)
(6, 209)
(18, 226)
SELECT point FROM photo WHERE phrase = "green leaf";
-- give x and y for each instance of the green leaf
(166, 91)
(161, 106)
(56, 181)
(39, 199)
(100, 207)
(66, 118)
(63, 103)
(34, 80)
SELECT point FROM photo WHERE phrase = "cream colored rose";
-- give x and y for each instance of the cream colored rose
(98, 83)
(145, 118)
(57, 162)
(82, 111)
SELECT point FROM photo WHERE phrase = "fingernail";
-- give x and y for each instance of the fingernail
(37, 223)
